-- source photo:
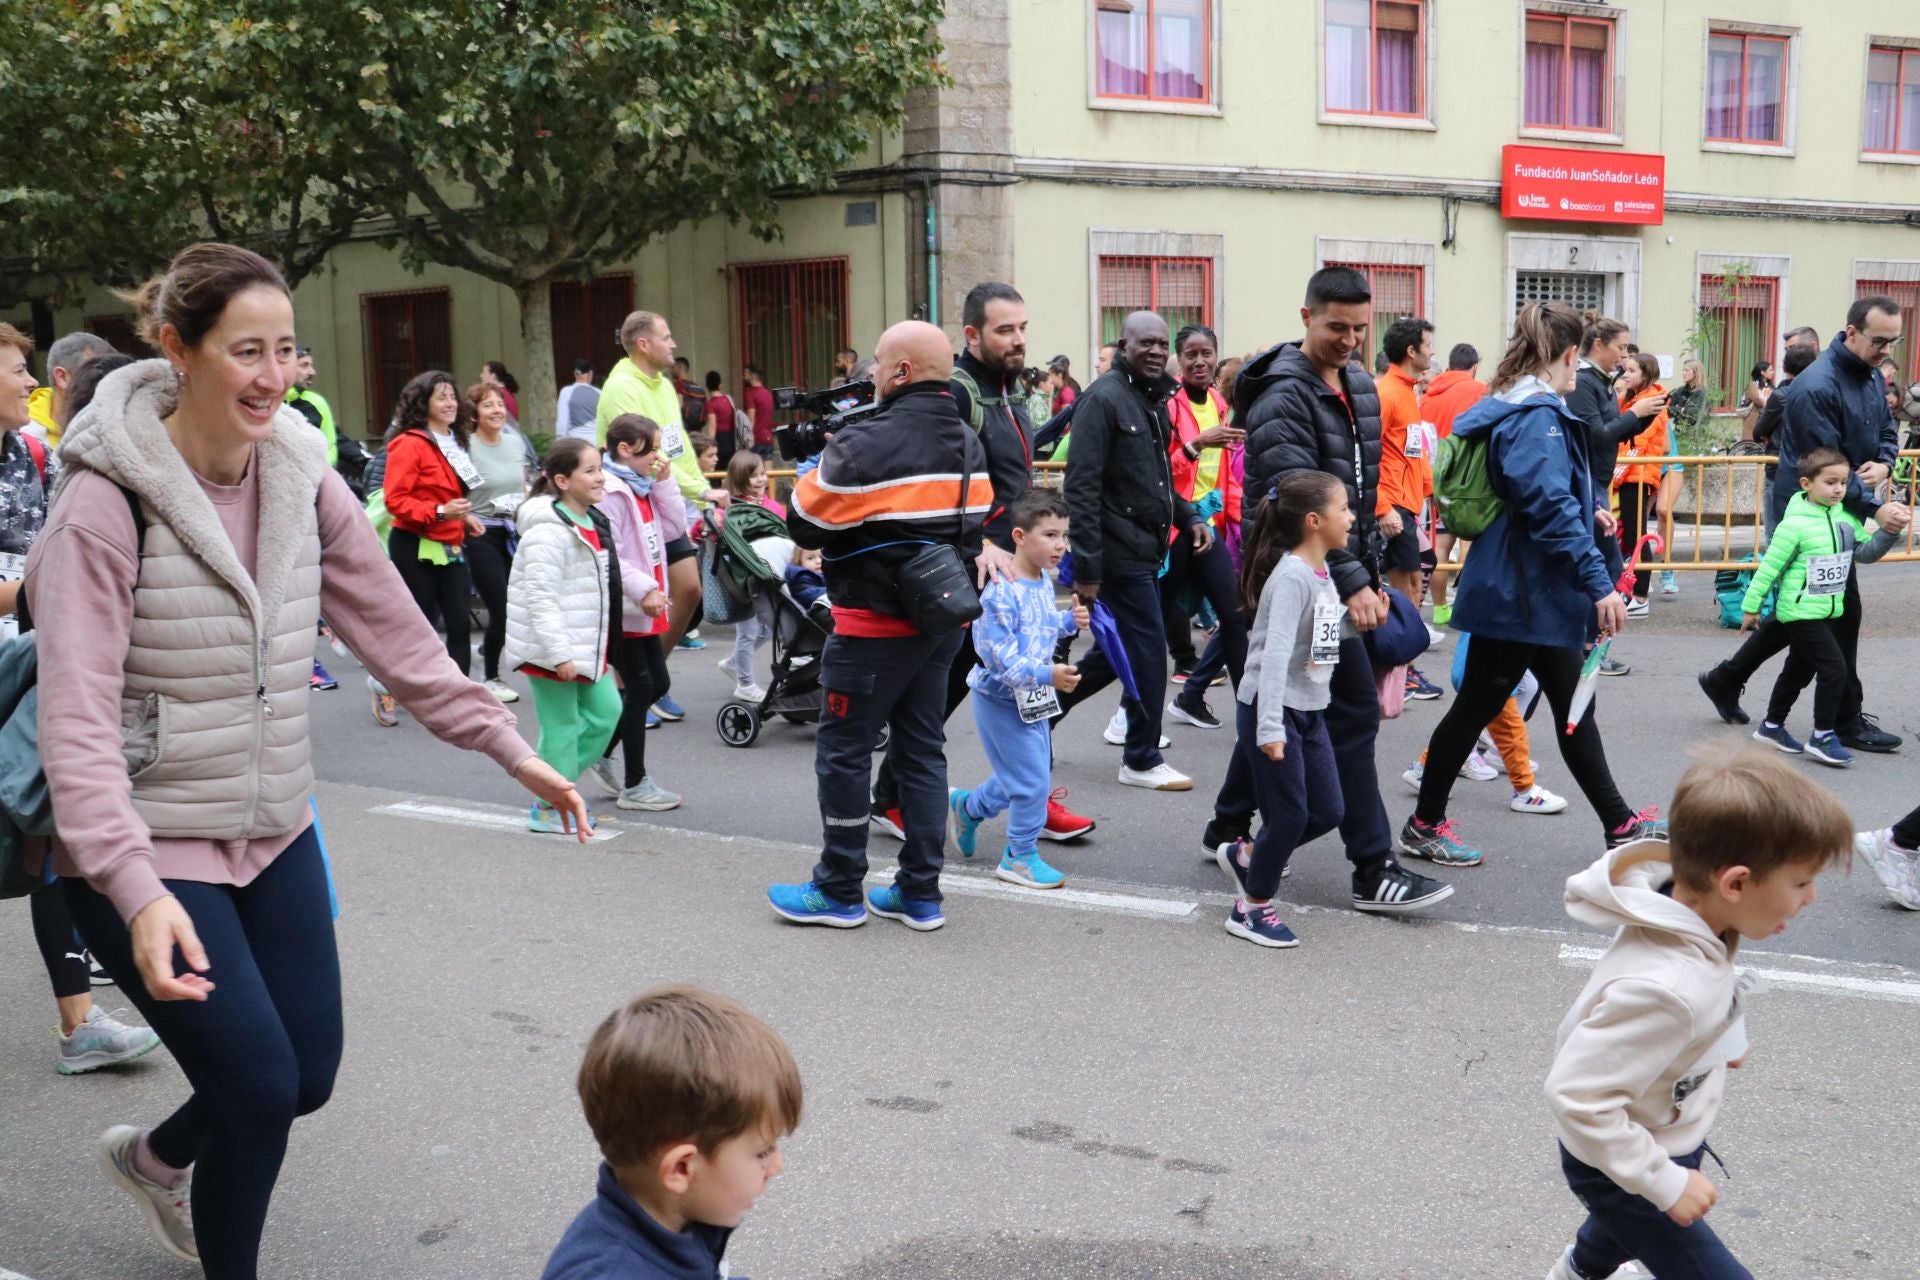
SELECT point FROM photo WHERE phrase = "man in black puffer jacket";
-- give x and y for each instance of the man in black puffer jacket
(1120, 490)
(1307, 406)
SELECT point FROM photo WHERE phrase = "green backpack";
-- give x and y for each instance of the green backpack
(1463, 486)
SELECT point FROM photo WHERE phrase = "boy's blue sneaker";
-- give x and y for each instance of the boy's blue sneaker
(653, 721)
(1826, 748)
(667, 709)
(1776, 735)
(805, 904)
(966, 827)
(1029, 869)
(1234, 857)
(691, 640)
(1261, 926)
(915, 913)
(545, 819)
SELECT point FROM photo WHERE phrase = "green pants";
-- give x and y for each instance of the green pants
(576, 722)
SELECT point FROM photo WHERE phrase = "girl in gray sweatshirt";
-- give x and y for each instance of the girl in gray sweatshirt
(1291, 652)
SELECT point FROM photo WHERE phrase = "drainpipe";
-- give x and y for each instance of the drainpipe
(933, 250)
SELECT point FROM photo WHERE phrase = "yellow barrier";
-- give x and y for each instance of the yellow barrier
(1712, 536)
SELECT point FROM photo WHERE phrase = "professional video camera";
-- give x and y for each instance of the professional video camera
(827, 411)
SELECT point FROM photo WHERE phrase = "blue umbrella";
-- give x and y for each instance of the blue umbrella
(1107, 633)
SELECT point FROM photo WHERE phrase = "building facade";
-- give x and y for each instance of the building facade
(1204, 157)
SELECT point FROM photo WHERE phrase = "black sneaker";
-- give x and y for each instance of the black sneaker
(1863, 733)
(1193, 711)
(1219, 833)
(1724, 695)
(1395, 891)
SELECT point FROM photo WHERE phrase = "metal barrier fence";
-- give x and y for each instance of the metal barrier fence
(1726, 494)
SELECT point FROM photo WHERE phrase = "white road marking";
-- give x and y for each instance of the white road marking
(973, 885)
(514, 820)
(1787, 979)
(12, 1275)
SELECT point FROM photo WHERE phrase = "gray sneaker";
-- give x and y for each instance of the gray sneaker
(647, 794)
(1898, 869)
(607, 773)
(102, 1042)
(166, 1209)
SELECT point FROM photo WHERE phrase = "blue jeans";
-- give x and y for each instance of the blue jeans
(1623, 1227)
(899, 682)
(1022, 758)
(262, 1049)
(1299, 794)
(1133, 593)
(1353, 723)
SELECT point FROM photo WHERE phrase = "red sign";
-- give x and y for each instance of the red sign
(1562, 185)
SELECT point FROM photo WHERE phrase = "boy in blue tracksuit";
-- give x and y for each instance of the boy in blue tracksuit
(1015, 691)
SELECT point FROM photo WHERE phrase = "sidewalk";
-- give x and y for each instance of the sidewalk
(1111, 1086)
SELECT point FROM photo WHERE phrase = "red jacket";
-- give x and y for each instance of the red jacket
(1448, 395)
(1186, 429)
(418, 479)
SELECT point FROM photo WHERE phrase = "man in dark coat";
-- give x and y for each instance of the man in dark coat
(1308, 406)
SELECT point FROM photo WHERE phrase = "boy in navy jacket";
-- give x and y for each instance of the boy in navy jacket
(688, 1095)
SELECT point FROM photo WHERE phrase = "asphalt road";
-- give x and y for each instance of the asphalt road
(1099, 1083)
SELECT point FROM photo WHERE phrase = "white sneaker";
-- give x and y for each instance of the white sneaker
(608, 775)
(1162, 777)
(1898, 869)
(726, 664)
(749, 693)
(102, 1041)
(649, 795)
(169, 1219)
(1116, 731)
(1538, 800)
(1491, 754)
(1414, 777)
(1477, 769)
(501, 690)
(1639, 608)
(1435, 636)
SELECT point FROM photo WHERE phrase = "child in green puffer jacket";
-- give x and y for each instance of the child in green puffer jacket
(1811, 557)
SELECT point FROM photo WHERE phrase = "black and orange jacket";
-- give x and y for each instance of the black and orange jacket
(886, 486)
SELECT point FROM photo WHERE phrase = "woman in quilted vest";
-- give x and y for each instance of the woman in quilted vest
(562, 631)
(174, 661)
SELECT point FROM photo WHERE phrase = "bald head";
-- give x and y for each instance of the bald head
(912, 351)
(1145, 343)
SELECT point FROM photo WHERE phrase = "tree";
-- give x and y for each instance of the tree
(526, 141)
(134, 135)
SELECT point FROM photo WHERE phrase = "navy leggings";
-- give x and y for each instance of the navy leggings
(1299, 794)
(261, 1049)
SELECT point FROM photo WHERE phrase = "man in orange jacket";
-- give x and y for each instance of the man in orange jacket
(1406, 474)
(1447, 397)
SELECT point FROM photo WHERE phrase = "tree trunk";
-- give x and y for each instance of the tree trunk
(537, 392)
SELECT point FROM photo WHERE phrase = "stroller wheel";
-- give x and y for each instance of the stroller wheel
(737, 723)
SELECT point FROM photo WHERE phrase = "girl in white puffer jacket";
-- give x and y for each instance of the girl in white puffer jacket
(558, 619)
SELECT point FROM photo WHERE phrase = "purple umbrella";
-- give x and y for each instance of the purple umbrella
(1107, 633)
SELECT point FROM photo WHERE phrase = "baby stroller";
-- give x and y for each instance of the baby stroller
(745, 583)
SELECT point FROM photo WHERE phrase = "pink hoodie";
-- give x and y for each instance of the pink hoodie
(80, 578)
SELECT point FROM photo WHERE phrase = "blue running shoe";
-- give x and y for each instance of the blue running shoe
(1419, 688)
(653, 721)
(691, 640)
(1234, 857)
(915, 913)
(1826, 748)
(805, 904)
(321, 678)
(667, 709)
(966, 827)
(545, 819)
(1261, 926)
(1029, 869)
(1778, 737)
(1440, 843)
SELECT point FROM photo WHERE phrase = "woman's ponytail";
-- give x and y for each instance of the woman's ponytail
(1542, 332)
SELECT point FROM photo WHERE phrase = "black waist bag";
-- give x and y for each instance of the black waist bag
(935, 588)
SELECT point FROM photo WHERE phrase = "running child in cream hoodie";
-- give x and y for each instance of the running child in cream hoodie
(1642, 1057)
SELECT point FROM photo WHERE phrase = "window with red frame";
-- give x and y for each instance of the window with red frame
(1376, 57)
(1569, 72)
(405, 333)
(1746, 88)
(1906, 352)
(1154, 50)
(587, 315)
(789, 319)
(1399, 293)
(1745, 325)
(1893, 101)
(1179, 289)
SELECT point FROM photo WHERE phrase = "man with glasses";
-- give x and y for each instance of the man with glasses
(1839, 403)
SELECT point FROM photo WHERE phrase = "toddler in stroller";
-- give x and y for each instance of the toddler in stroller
(746, 579)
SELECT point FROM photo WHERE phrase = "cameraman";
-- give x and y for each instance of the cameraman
(886, 486)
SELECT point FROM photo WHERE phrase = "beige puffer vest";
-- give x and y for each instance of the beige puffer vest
(214, 709)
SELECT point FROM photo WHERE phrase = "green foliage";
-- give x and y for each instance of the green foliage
(1704, 434)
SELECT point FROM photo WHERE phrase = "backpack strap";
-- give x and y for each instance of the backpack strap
(38, 452)
(976, 402)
